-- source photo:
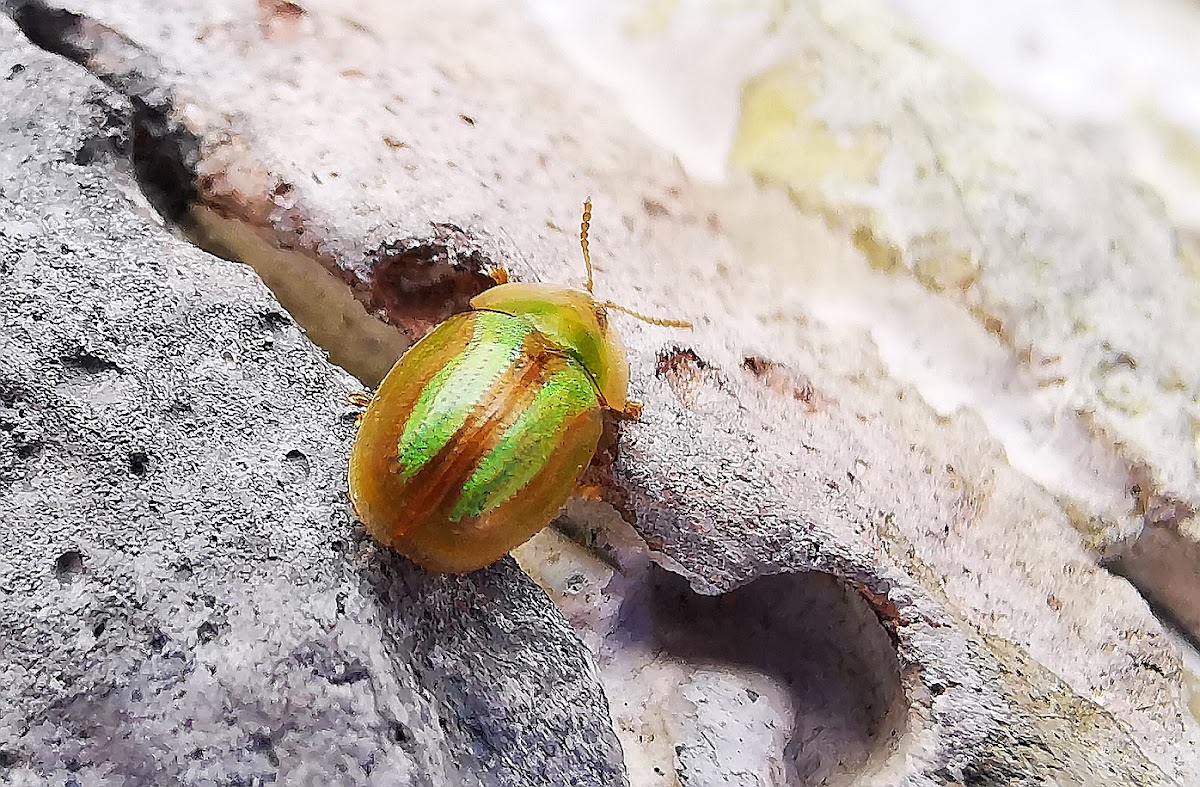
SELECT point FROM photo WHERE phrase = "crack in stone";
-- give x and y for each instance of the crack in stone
(412, 284)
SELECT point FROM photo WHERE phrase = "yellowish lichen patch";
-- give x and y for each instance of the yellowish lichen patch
(1191, 685)
(782, 138)
(1180, 144)
(652, 19)
(1188, 253)
(880, 255)
(941, 267)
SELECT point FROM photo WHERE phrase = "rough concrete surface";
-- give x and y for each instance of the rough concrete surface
(793, 571)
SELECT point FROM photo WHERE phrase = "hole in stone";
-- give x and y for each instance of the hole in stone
(679, 361)
(158, 640)
(164, 157)
(139, 461)
(68, 564)
(418, 285)
(684, 370)
(792, 679)
(298, 460)
(783, 381)
(88, 363)
(260, 740)
(52, 29)
(345, 672)
(793, 670)
(108, 137)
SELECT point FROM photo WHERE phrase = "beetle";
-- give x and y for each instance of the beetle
(482, 430)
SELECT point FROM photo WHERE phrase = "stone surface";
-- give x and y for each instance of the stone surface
(183, 598)
(862, 588)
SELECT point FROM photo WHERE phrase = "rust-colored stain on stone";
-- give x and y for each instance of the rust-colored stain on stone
(280, 20)
(786, 383)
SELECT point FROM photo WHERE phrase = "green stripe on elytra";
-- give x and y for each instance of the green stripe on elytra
(454, 392)
(527, 445)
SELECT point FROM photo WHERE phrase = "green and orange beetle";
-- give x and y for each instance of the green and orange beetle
(482, 430)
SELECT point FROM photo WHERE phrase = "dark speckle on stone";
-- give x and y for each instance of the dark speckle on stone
(158, 641)
(7, 758)
(138, 462)
(398, 733)
(348, 672)
(206, 632)
(274, 319)
(297, 459)
(260, 740)
(88, 362)
(28, 450)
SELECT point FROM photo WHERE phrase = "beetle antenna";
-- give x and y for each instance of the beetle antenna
(646, 318)
(583, 240)
(587, 260)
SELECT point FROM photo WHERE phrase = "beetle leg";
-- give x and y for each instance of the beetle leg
(632, 411)
(498, 274)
